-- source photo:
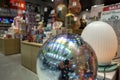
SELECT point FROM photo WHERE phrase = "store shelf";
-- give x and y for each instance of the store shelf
(4, 25)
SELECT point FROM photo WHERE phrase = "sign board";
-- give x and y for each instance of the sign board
(111, 15)
(17, 4)
(96, 10)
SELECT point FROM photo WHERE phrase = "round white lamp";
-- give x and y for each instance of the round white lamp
(102, 39)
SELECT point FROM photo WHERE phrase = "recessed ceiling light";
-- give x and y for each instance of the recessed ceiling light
(52, 0)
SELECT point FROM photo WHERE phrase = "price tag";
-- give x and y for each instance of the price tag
(74, 3)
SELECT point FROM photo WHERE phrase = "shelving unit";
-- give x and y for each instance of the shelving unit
(5, 22)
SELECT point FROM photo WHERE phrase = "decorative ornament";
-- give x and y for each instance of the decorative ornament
(57, 2)
(72, 21)
(69, 20)
(61, 11)
(74, 6)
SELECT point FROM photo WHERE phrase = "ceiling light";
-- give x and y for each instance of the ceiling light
(52, 0)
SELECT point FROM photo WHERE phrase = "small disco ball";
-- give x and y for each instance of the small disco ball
(66, 57)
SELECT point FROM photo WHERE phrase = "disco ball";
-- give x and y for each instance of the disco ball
(66, 57)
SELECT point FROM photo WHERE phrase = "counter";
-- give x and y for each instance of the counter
(9, 46)
(29, 52)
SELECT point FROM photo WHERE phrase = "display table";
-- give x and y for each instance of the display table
(9, 46)
(29, 52)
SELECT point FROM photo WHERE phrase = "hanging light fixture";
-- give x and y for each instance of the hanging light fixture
(52, 0)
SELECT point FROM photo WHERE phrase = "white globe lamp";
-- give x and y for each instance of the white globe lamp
(102, 38)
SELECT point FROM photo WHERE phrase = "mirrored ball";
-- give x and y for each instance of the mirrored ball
(66, 57)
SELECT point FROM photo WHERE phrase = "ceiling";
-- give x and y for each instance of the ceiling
(86, 4)
(108, 2)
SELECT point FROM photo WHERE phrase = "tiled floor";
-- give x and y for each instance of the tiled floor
(11, 69)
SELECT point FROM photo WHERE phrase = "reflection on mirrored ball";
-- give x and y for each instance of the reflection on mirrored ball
(66, 57)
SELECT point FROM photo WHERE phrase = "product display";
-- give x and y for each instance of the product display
(72, 21)
(31, 20)
(69, 20)
(74, 6)
(77, 24)
(66, 57)
(59, 40)
(57, 2)
(61, 12)
(83, 22)
(20, 25)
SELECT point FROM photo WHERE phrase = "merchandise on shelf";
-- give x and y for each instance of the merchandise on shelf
(20, 25)
(72, 21)
(83, 22)
(37, 33)
(56, 27)
(31, 20)
(57, 2)
(74, 6)
(61, 11)
(69, 20)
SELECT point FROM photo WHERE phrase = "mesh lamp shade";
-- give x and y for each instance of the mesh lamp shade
(102, 39)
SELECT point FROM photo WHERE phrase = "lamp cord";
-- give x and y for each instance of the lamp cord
(104, 73)
(118, 64)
